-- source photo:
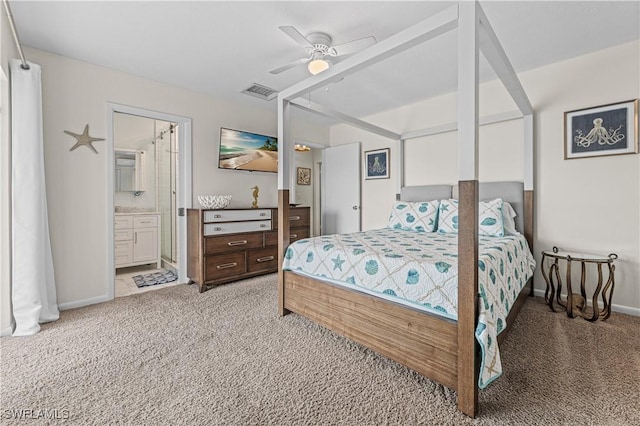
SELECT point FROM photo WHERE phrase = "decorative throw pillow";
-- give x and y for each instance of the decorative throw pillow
(490, 220)
(448, 216)
(418, 216)
(508, 216)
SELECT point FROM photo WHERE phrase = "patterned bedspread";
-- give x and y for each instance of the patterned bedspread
(420, 269)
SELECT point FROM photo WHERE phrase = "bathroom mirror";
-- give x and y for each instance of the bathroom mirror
(130, 170)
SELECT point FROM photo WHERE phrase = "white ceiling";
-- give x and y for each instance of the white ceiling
(220, 48)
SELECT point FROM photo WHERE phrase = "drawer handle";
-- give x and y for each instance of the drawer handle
(262, 225)
(294, 218)
(217, 228)
(292, 236)
(227, 265)
(265, 259)
(237, 243)
(217, 216)
(145, 221)
(263, 214)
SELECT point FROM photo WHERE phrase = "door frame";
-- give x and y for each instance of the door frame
(183, 184)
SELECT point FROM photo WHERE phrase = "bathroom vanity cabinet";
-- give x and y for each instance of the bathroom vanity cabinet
(136, 239)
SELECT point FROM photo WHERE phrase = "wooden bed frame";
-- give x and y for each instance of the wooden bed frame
(426, 343)
(440, 349)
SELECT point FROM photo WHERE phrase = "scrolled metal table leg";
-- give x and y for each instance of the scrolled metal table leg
(569, 290)
(606, 309)
(550, 291)
(596, 293)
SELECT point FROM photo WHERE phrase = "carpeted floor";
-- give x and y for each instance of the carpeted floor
(177, 357)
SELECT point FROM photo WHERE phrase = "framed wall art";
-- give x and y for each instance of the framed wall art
(304, 176)
(377, 164)
(603, 130)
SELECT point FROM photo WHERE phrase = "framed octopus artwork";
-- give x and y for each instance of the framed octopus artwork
(603, 130)
(376, 164)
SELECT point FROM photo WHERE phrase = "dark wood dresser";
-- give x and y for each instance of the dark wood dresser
(228, 245)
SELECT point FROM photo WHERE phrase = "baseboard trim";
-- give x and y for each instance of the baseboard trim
(83, 302)
(7, 331)
(615, 308)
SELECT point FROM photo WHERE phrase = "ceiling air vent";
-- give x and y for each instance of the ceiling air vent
(261, 92)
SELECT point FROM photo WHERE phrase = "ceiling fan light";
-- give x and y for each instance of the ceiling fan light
(317, 66)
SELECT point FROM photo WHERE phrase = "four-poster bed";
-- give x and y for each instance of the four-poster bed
(439, 348)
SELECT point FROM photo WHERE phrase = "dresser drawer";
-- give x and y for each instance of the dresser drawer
(236, 215)
(271, 237)
(298, 233)
(298, 217)
(145, 221)
(123, 234)
(233, 242)
(263, 259)
(224, 266)
(123, 222)
(235, 227)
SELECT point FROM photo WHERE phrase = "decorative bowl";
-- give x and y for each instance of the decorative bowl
(214, 202)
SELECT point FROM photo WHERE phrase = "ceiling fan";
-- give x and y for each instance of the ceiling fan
(318, 48)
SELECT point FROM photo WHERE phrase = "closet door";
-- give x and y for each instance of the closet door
(341, 176)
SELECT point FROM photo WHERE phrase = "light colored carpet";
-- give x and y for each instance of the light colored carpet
(177, 357)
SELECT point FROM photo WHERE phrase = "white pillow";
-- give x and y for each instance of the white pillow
(508, 217)
(417, 216)
(490, 220)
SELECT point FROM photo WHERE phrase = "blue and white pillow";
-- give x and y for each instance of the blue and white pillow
(490, 220)
(448, 216)
(419, 216)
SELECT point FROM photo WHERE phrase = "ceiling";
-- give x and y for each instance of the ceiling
(221, 48)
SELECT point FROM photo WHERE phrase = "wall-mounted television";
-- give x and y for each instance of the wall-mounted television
(247, 151)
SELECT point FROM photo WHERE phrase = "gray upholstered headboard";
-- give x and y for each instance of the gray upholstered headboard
(425, 192)
(512, 192)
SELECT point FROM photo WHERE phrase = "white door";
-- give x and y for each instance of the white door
(341, 189)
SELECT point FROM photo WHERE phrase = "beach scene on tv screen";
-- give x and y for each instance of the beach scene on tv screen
(248, 151)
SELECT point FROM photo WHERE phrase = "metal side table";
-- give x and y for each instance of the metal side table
(576, 304)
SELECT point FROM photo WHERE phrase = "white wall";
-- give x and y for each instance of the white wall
(7, 51)
(75, 93)
(590, 205)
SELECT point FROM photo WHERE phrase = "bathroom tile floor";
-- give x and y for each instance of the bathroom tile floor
(125, 285)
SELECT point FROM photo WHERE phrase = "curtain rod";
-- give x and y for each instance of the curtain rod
(25, 65)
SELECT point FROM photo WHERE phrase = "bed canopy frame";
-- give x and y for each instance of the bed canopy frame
(474, 35)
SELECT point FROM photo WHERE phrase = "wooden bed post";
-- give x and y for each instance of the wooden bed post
(468, 78)
(283, 243)
(528, 184)
(468, 356)
(285, 166)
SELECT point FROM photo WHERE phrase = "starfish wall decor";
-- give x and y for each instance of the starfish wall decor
(83, 139)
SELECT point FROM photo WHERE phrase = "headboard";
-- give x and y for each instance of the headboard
(425, 193)
(512, 192)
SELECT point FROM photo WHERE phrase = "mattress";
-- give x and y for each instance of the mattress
(419, 269)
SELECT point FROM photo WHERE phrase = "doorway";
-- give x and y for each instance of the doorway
(151, 186)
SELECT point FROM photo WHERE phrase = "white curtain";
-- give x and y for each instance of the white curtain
(33, 289)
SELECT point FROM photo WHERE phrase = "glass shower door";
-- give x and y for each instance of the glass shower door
(167, 163)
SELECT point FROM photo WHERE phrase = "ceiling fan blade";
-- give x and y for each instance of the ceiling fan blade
(290, 65)
(352, 46)
(296, 35)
